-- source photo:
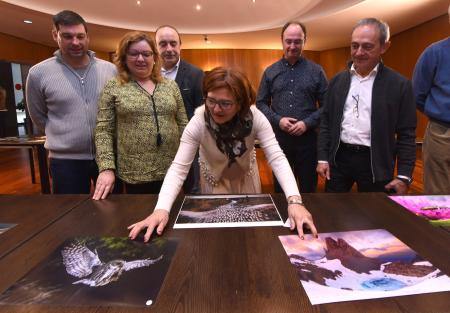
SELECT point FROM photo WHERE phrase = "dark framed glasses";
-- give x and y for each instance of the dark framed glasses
(135, 54)
(223, 104)
(356, 107)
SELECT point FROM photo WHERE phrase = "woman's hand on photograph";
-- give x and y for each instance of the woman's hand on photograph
(158, 219)
(299, 216)
(104, 185)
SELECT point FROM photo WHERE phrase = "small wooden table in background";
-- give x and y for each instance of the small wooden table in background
(36, 143)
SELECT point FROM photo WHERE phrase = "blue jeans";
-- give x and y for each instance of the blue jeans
(73, 176)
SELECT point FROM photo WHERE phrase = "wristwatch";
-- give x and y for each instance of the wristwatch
(405, 179)
(295, 201)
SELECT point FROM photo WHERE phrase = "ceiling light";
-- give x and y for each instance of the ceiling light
(253, 1)
(198, 7)
(138, 2)
(28, 21)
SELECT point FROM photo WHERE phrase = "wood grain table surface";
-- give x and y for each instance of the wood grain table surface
(32, 214)
(235, 269)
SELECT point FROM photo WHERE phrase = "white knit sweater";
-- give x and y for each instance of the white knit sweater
(216, 177)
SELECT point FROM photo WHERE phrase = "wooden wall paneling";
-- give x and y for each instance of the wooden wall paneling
(407, 46)
(335, 60)
(252, 61)
(103, 55)
(22, 51)
(18, 50)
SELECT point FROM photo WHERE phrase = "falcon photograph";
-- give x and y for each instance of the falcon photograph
(97, 271)
(228, 211)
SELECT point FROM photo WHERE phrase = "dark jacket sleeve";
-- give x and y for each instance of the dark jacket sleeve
(324, 140)
(197, 94)
(190, 80)
(406, 133)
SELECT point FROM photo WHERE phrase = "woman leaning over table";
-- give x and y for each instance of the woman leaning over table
(224, 130)
(140, 120)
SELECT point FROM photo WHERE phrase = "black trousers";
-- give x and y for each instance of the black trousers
(153, 187)
(301, 153)
(353, 166)
(73, 176)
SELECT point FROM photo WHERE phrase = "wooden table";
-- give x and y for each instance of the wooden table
(32, 214)
(36, 143)
(238, 269)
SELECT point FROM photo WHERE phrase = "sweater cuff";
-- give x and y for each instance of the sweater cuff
(107, 165)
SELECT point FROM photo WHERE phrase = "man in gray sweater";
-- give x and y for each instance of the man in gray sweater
(62, 94)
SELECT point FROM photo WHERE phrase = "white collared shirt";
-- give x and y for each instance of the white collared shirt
(172, 73)
(356, 120)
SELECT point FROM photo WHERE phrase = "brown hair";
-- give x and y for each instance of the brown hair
(235, 81)
(68, 18)
(121, 55)
(285, 26)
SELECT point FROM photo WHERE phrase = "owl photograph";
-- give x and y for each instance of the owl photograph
(97, 271)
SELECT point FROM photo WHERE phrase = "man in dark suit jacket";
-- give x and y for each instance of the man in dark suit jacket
(189, 79)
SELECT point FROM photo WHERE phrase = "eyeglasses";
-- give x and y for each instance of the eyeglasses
(135, 54)
(356, 107)
(223, 104)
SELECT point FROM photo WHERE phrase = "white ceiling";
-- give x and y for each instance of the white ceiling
(233, 24)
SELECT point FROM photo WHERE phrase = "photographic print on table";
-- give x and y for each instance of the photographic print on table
(5, 227)
(97, 271)
(436, 209)
(356, 265)
(228, 211)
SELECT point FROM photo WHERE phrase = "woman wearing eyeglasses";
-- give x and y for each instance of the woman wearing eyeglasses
(224, 130)
(140, 120)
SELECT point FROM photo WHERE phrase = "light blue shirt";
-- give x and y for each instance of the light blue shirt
(172, 73)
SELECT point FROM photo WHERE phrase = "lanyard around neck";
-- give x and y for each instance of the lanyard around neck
(155, 114)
